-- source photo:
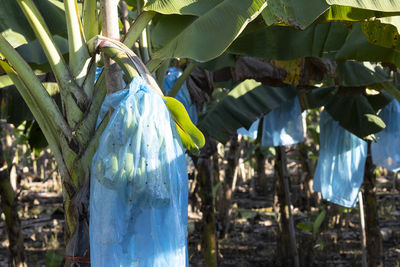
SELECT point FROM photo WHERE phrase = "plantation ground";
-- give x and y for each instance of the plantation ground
(252, 236)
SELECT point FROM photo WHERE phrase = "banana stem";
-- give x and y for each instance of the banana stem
(89, 19)
(137, 27)
(109, 22)
(79, 58)
(53, 54)
(36, 89)
(180, 81)
(47, 127)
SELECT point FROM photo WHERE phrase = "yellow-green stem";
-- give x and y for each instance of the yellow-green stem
(137, 27)
(181, 80)
(65, 80)
(79, 58)
(89, 19)
(45, 102)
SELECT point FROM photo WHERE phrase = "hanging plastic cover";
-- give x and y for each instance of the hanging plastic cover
(251, 132)
(283, 126)
(99, 70)
(386, 152)
(183, 95)
(139, 184)
(340, 168)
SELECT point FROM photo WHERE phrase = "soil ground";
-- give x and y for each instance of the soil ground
(252, 237)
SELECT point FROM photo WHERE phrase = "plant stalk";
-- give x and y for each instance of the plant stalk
(65, 80)
(79, 58)
(110, 27)
(287, 235)
(181, 80)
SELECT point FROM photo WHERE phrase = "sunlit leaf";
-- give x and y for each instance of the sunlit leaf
(242, 106)
(209, 35)
(192, 138)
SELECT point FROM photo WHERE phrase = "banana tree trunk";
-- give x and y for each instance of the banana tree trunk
(77, 248)
(210, 240)
(229, 184)
(77, 195)
(287, 248)
(8, 203)
(261, 183)
(309, 197)
(13, 225)
(374, 241)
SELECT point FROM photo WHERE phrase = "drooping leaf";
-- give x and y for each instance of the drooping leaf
(15, 27)
(209, 35)
(241, 107)
(348, 13)
(302, 71)
(166, 27)
(379, 5)
(357, 47)
(378, 101)
(355, 114)
(32, 52)
(192, 138)
(182, 7)
(384, 32)
(286, 43)
(319, 97)
(299, 13)
(356, 74)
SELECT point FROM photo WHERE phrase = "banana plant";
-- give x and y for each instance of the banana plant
(191, 26)
(69, 128)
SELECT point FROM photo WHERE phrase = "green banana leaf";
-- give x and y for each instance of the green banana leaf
(15, 27)
(355, 114)
(241, 107)
(357, 47)
(319, 96)
(286, 43)
(348, 13)
(302, 13)
(211, 33)
(356, 74)
(34, 55)
(383, 32)
(299, 13)
(379, 5)
(166, 27)
(182, 7)
(378, 101)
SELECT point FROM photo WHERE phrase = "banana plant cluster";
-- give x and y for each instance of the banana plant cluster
(216, 32)
(70, 128)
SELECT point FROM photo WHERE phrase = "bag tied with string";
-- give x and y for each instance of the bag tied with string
(340, 168)
(139, 184)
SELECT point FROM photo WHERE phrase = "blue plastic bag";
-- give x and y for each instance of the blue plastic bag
(386, 152)
(139, 184)
(340, 168)
(183, 95)
(99, 71)
(283, 126)
(251, 132)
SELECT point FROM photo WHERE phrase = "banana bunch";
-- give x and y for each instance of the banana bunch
(132, 157)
